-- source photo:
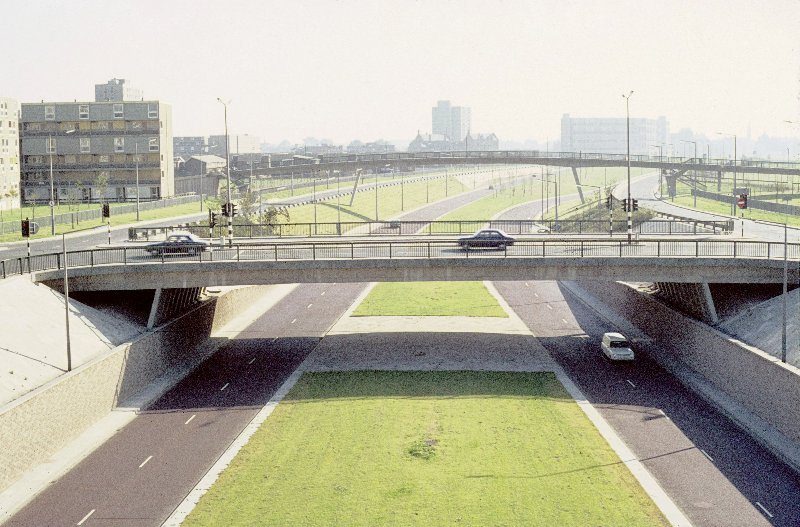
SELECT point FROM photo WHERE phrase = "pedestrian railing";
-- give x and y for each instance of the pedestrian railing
(409, 248)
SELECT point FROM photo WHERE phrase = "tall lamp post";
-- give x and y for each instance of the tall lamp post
(228, 172)
(137, 182)
(694, 179)
(51, 149)
(733, 202)
(628, 157)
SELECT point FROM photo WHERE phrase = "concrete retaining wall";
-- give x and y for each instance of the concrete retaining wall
(35, 426)
(755, 380)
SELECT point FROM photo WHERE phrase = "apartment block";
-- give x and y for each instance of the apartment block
(95, 149)
(116, 90)
(239, 144)
(9, 154)
(609, 135)
(452, 122)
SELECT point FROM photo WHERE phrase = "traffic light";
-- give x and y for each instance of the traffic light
(225, 209)
(625, 205)
(106, 210)
(610, 202)
(233, 210)
(635, 204)
(212, 219)
(26, 228)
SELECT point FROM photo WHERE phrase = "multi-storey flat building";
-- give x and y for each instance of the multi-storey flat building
(239, 144)
(609, 135)
(188, 146)
(9, 153)
(116, 90)
(93, 148)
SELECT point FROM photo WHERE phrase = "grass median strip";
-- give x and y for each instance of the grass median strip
(426, 448)
(468, 299)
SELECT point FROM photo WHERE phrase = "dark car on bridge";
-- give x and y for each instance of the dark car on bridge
(486, 239)
(178, 243)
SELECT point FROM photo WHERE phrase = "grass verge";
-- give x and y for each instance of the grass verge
(468, 299)
(426, 448)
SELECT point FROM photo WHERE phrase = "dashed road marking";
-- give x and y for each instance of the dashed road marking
(536, 295)
(564, 320)
(86, 517)
(322, 293)
(662, 413)
(225, 386)
(309, 306)
(549, 306)
(631, 383)
(145, 461)
(706, 454)
(251, 361)
(190, 419)
(527, 284)
(274, 339)
(293, 321)
(765, 510)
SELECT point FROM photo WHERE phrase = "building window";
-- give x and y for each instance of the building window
(119, 144)
(104, 159)
(153, 144)
(83, 111)
(152, 110)
(85, 145)
(49, 113)
(118, 111)
(51, 145)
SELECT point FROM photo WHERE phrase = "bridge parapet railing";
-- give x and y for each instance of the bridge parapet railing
(410, 248)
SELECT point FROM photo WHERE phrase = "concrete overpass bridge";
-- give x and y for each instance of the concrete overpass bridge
(406, 160)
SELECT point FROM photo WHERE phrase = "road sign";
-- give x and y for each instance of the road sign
(34, 227)
(741, 201)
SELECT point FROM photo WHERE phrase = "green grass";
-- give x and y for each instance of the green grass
(468, 299)
(426, 448)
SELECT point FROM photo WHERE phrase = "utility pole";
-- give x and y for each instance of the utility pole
(137, 182)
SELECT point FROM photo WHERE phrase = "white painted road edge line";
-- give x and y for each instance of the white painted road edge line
(765, 510)
(182, 511)
(706, 454)
(630, 382)
(145, 461)
(642, 475)
(224, 386)
(251, 361)
(86, 517)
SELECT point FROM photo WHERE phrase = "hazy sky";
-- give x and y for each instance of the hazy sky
(372, 69)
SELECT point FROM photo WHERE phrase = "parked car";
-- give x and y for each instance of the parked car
(486, 239)
(616, 347)
(178, 243)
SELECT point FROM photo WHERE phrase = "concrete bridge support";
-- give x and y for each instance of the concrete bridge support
(692, 298)
(169, 302)
(578, 184)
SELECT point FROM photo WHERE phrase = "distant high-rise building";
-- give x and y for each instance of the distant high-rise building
(116, 90)
(452, 122)
(608, 135)
(188, 146)
(9, 153)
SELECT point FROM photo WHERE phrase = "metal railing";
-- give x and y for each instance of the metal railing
(438, 227)
(403, 249)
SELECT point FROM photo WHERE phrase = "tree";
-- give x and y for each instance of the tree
(248, 205)
(102, 184)
(271, 216)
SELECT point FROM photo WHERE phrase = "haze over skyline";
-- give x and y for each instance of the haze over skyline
(362, 70)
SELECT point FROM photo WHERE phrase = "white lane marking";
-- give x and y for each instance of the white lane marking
(86, 517)
(274, 339)
(527, 284)
(322, 293)
(536, 295)
(629, 382)
(765, 510)
(706, 454)
(145, 461)
(293, 321)
(223, 388)
(190, 419)
(662, 413)
(309, 306)
(549, 306)
(564, 320)
(251, 361)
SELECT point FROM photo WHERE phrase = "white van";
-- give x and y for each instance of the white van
(616, 347)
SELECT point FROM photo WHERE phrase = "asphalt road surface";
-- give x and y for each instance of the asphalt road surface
(145, 470)
(714, 472)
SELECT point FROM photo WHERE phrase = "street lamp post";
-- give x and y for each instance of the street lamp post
(694, 179)
(735, 156)
(51, 149)
(66, 300)
(228, 172)
(628, 157)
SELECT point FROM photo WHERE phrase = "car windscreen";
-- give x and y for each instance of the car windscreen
(618, 344)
